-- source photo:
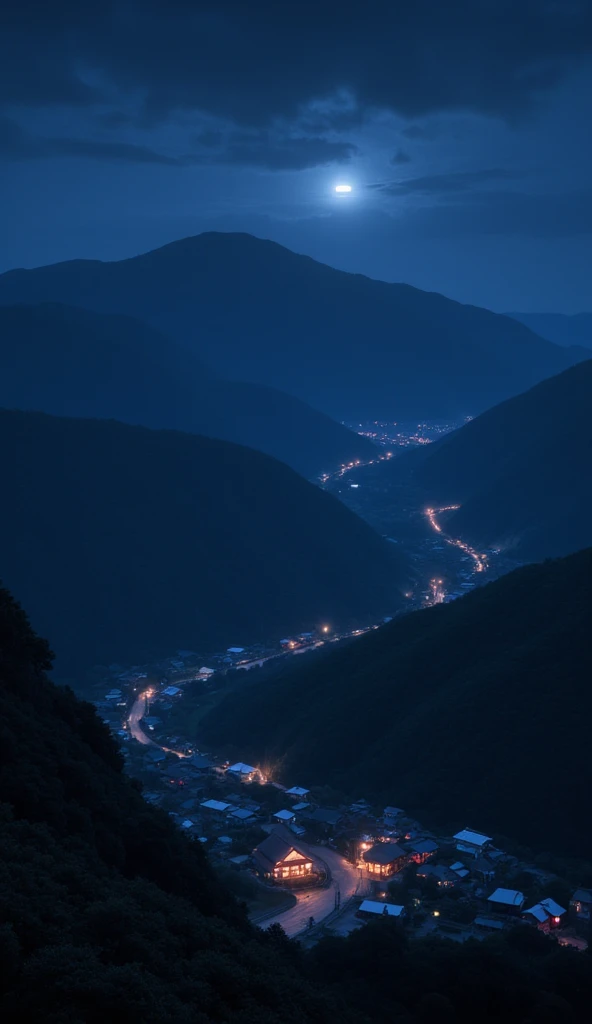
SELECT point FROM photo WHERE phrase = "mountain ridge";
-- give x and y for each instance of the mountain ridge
(347, 344)
(518, 471)
(113, 366)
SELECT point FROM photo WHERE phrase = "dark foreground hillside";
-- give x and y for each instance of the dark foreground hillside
(116, 367)
(126, 543)
(108, 913)
(473, 711)
(106, 910)
(520, 471)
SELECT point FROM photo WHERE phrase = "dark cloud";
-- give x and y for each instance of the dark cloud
(265, 151)
(253, 62)
(400, 157)
(15, 144)
(249, 150)
(443, 184)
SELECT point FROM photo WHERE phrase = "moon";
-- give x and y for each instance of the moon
(343, 189)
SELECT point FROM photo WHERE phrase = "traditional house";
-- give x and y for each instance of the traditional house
(506, 901)
(580, 904)
(483, 869)
(373, 908)
(545, 915)
(390, 815)
(421, 850)
(471, 842)
(244, 772)
(297, 792)
(443, 876)
(284, 817)
(384, 859)
(215, 806)
(241, 816)
(325, 818)
(277, 859)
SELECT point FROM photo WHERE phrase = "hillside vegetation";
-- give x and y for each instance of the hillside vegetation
(106, 910)
(126, 543)
(474, 711)
(520, 471)
(116, 367)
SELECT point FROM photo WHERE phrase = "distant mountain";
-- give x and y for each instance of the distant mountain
(73, 362)
(559, 328)
(356, 348)
(521, 471)
(127, 543)
(472, 712)
(108, 911)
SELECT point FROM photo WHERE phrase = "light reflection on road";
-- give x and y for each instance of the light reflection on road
(480, 560)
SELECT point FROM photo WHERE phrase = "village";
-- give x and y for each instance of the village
(302, 858)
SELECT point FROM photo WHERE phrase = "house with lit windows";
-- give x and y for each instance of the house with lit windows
(384, 859)
(278, 861)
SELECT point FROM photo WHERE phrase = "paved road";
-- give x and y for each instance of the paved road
(318, 903)
(138, 710)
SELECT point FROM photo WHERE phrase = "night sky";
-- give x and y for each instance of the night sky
(464, 128)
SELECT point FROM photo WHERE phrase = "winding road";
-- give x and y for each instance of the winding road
(480, 560)
(318, 903)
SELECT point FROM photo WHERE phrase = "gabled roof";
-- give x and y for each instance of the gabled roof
(242, 814)
(384, 853)
(242, 769)
(284, 815)
(422, 846)
(552, 908)
(582, 896)
(538, 912)
(297, 791)
(215, 805)
(474, 838)
(274, 850)
(507, 897)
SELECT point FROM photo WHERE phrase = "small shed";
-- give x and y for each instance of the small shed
(374, 908)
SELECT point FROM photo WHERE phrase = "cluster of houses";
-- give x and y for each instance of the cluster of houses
(194, 789)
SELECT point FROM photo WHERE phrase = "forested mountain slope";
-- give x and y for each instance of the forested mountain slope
(73, 362)
(472, 711)
(127, 543)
